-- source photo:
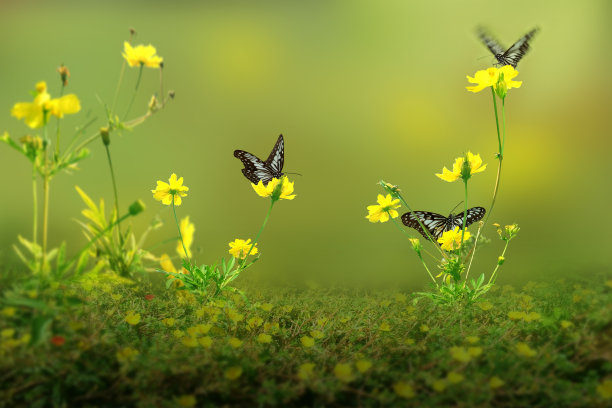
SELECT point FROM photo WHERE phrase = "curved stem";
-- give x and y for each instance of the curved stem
(45, 195)
(112, 172)
(409, 236)
(179, 231)
(258, 234)
(418, 254)
(135, 92)
(465, 182)
(491, 279)
(34, 204)
(118, 87)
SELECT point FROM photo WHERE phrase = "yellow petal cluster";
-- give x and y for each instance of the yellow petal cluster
(286, 189)
(451, 240)
(141, 55)
(174, 189)
(491, 77)
(385, 208)
(476, 166)
(187, 230)
(35, 114)
(239, 248)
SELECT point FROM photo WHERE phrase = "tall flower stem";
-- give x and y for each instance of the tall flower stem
(491, 279)
(135, 92)
(179, 231)
(465, 182)
(258, 234)
(46, 179)
(418, 253)
(112, 172)
(57, 135)
(34, 204)
(403, 231)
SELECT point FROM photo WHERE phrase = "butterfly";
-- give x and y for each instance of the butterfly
(512, 55)
(255, 169)
(437, 224)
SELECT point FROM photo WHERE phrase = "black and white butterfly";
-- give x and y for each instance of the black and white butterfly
(255, 169)
(437, 224)
(512, 55)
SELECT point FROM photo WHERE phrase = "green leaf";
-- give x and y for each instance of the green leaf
(81, 263)
(40, 329)
(31, 303)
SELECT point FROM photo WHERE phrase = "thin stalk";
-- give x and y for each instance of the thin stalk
(76, 136)
(410, 237)
(161, 84)
(112, 172)
(57, 136)
(498, 265)
(45, 195)
(34, 205)
(118, 87)
(179, 231)
(258, 234)
(418, 254)
(465, 182)
(135, 92)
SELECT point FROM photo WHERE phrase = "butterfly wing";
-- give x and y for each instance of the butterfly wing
(473, 214)
(492, 44)
(518, 50)
(435, 223)
(254, 168)
(277, 157)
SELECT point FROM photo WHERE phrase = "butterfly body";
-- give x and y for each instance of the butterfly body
(510, 56)
(437, 224)
(257, 170)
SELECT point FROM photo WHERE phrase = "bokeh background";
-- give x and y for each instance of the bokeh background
(362, 91)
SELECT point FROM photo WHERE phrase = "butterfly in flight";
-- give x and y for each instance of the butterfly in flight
(255, 169)
(437, 224)
(512, 55)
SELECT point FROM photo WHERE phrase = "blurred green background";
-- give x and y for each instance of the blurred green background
(362, 91)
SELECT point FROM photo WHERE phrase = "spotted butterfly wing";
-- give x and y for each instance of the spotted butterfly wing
(255, 169)
(437, 224)
(512, 55)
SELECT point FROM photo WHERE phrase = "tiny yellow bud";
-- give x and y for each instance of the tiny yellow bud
(136, 208)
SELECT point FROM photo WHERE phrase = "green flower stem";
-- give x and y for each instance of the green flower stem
(112, 172)
(444, 255)
(465, 182)
(418, 254)
(34, 204)
(258, 234)
(57, 136)
(135, 92)
(46, 180)
(403, 231)
(179, 231)
(491, 279)
(118, 87)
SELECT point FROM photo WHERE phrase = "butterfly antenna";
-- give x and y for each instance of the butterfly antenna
(455, 207)
(293, 173)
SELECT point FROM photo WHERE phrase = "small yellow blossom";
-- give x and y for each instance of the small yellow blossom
(496, 382)
(400, 297)
(306, 371)
(384, 326)
(566, 324)
(206, 342)
(127, 354)
(307, 341)
(35, 114)
(604, 389)
(254, 321)
(234, 315)
(316, 334)
(240, 248)
(264, 338)
(609, 283)
(474, 351)
(178, 333)
(454, 378)
(233, 373)
(474, 166)
(451, 240)
(187, 401)
(485, 305)
(235, 342)
(460, 354)
(187, 230)
(343, 372)
(287, 308)
(141, 55)
(284, 192)
(174, 189)
(190, 341)
(439, 385)
(169, 321)
(385, 208)
(9, 311)
(267, 307)
(472, 339)
(271, 327)
(7, 333)
(514, 315)
(322, 322)
(424, 328)
(524, 350)
(409, 342)
(403, 389)
(531, 316)
(491, 77)
(132, 318)
(363, 365)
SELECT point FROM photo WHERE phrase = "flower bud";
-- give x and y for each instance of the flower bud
(501, 89)
(136, 208)
(466, 169)
(501, 260)
(278, 190)
(104, 132)
(416, 245)
(512, 230)
(171, 94)
(390, 188)
(153, 104)
(64, 74)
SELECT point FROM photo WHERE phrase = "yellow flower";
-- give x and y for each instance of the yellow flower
(234, 315)
(439, 385)
(169, 321)
(363, 365)
(524, 350)
(513, 315)
(264, 338)
(178, 333)
(240, 248)
(233, 373)
(474, 166)
(206, 342)
(609, 283)
(187, 230)
(7, 333)
(283, 192)
(460, 354)
(307, 341)
(141, 55)
(424, 328)
(9, 311)
(266, 306)
(605, 389)
(316, 334)
(566, 324)
(306, 371)
(384, 326)
(485, 305)
(496, 382)
(35, 114)
(499, 78)
(343, 372)
(403, 389)
(190, 341)
(186, 401)
(132, 318)
(385, 208)
(165, 192)
(472, 339)
(235, 342)
(451, 240)
(474, 351)
(127, 354)
(255, 321)
(454, 378)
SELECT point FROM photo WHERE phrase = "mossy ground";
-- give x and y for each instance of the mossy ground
(546, 344)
